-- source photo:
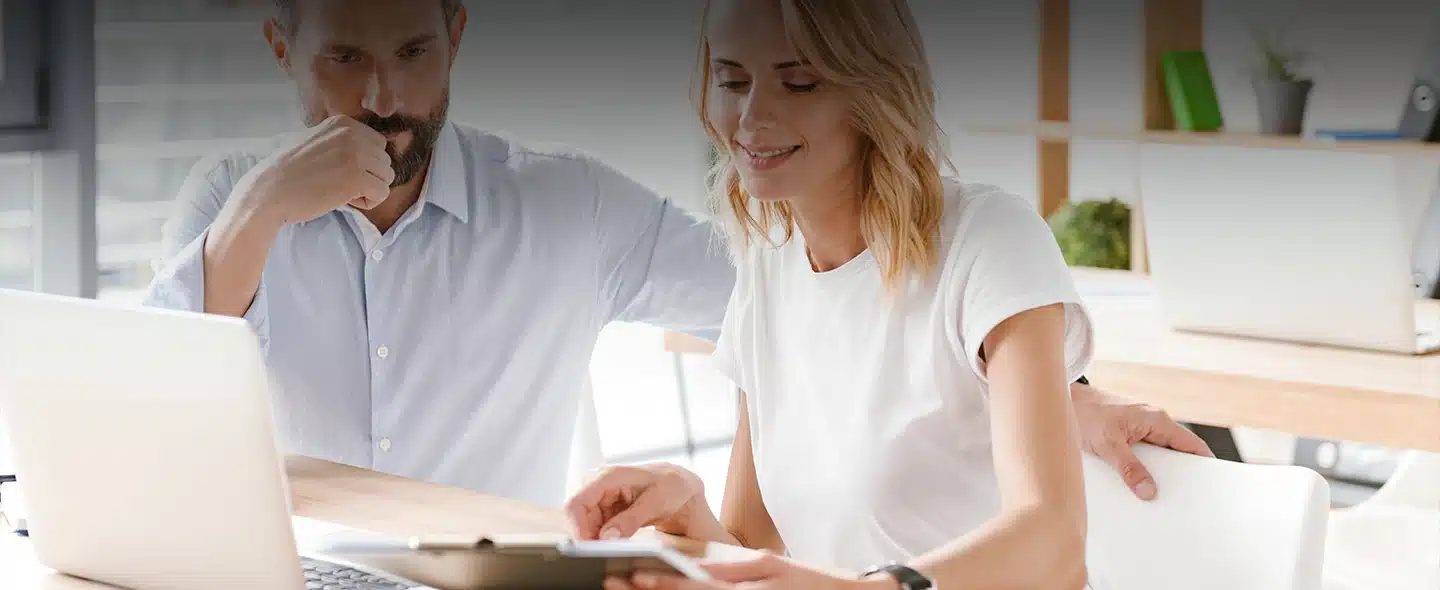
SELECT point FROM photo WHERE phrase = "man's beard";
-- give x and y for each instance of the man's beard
(424, 134)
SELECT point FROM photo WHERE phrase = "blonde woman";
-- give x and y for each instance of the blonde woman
(904, 341)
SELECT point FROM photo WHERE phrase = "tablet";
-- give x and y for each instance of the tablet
(504, 562)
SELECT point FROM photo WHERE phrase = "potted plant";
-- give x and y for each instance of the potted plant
(1094, 233)
(1282, 93)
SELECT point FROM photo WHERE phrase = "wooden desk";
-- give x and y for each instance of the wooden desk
(366, 500)
(1380, 398)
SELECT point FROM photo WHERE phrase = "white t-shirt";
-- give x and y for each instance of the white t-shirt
(869, 416)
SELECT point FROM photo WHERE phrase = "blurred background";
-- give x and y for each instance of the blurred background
(180, 78)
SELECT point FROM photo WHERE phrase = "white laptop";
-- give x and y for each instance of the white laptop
(1293, 245)
(144, 444)
(143, 441)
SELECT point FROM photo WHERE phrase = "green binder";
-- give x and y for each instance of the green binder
(1191, 91)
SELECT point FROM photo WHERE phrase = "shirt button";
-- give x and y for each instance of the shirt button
(378, 255)
(382, 352)
(384, 444)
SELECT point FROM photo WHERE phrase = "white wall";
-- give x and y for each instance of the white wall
(603, 83)
(984, 59)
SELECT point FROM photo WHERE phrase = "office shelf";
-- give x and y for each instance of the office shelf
(1061, 132)
(1165, 25)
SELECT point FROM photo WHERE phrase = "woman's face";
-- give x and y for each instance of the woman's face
(790, 132)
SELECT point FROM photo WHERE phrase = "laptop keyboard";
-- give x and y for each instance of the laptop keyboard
(323, 575)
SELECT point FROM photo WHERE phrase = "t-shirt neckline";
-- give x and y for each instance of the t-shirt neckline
(862, 262)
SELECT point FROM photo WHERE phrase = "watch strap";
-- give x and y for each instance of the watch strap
(909, 578)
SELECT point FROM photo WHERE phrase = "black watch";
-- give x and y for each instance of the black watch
(1082, 380)
(909, 579)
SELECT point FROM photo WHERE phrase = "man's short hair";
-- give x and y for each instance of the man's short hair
(288, 15)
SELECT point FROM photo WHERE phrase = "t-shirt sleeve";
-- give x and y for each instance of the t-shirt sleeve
(1005, 261)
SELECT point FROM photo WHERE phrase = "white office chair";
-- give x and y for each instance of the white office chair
(1391, 541)
(1214, 525)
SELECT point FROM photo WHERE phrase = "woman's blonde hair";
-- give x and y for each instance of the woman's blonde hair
(872, 48)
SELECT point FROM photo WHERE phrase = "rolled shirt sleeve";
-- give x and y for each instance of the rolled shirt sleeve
(179, 282)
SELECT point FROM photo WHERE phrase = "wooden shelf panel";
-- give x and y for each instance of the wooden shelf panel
(1065, 132)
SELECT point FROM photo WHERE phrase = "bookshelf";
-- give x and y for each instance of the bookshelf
(1167, 25)
(1063, 133)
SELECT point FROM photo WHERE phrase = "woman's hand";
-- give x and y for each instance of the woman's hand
(1111, 425)
(764, 571)
(624, 499)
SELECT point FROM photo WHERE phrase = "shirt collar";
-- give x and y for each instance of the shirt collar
(445, 181)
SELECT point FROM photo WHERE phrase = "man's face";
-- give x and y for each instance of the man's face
(385, 63)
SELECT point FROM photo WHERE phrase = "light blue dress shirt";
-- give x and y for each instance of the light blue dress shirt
(454, 348)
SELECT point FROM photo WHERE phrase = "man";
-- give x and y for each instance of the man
(428, 294)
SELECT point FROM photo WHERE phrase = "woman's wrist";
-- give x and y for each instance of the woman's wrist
(701, 523)
(694, 519)
(877, 582)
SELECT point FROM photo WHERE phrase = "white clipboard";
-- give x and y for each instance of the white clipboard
(502, 562)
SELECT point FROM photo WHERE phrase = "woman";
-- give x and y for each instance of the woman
(904, 341)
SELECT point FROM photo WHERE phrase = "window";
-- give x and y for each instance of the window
(175, 79)
(652, 405)
(16, 259)
(17, 208)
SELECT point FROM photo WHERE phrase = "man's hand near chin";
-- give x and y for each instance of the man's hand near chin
(1110, 425)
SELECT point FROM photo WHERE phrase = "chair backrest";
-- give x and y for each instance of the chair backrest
(1214, 525)
(1415, 483)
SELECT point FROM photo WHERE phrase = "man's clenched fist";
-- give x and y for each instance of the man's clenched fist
(340, 161)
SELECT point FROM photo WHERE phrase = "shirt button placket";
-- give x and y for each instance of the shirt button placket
(377, 326)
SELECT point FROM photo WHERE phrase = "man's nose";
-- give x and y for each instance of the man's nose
(380, 93)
